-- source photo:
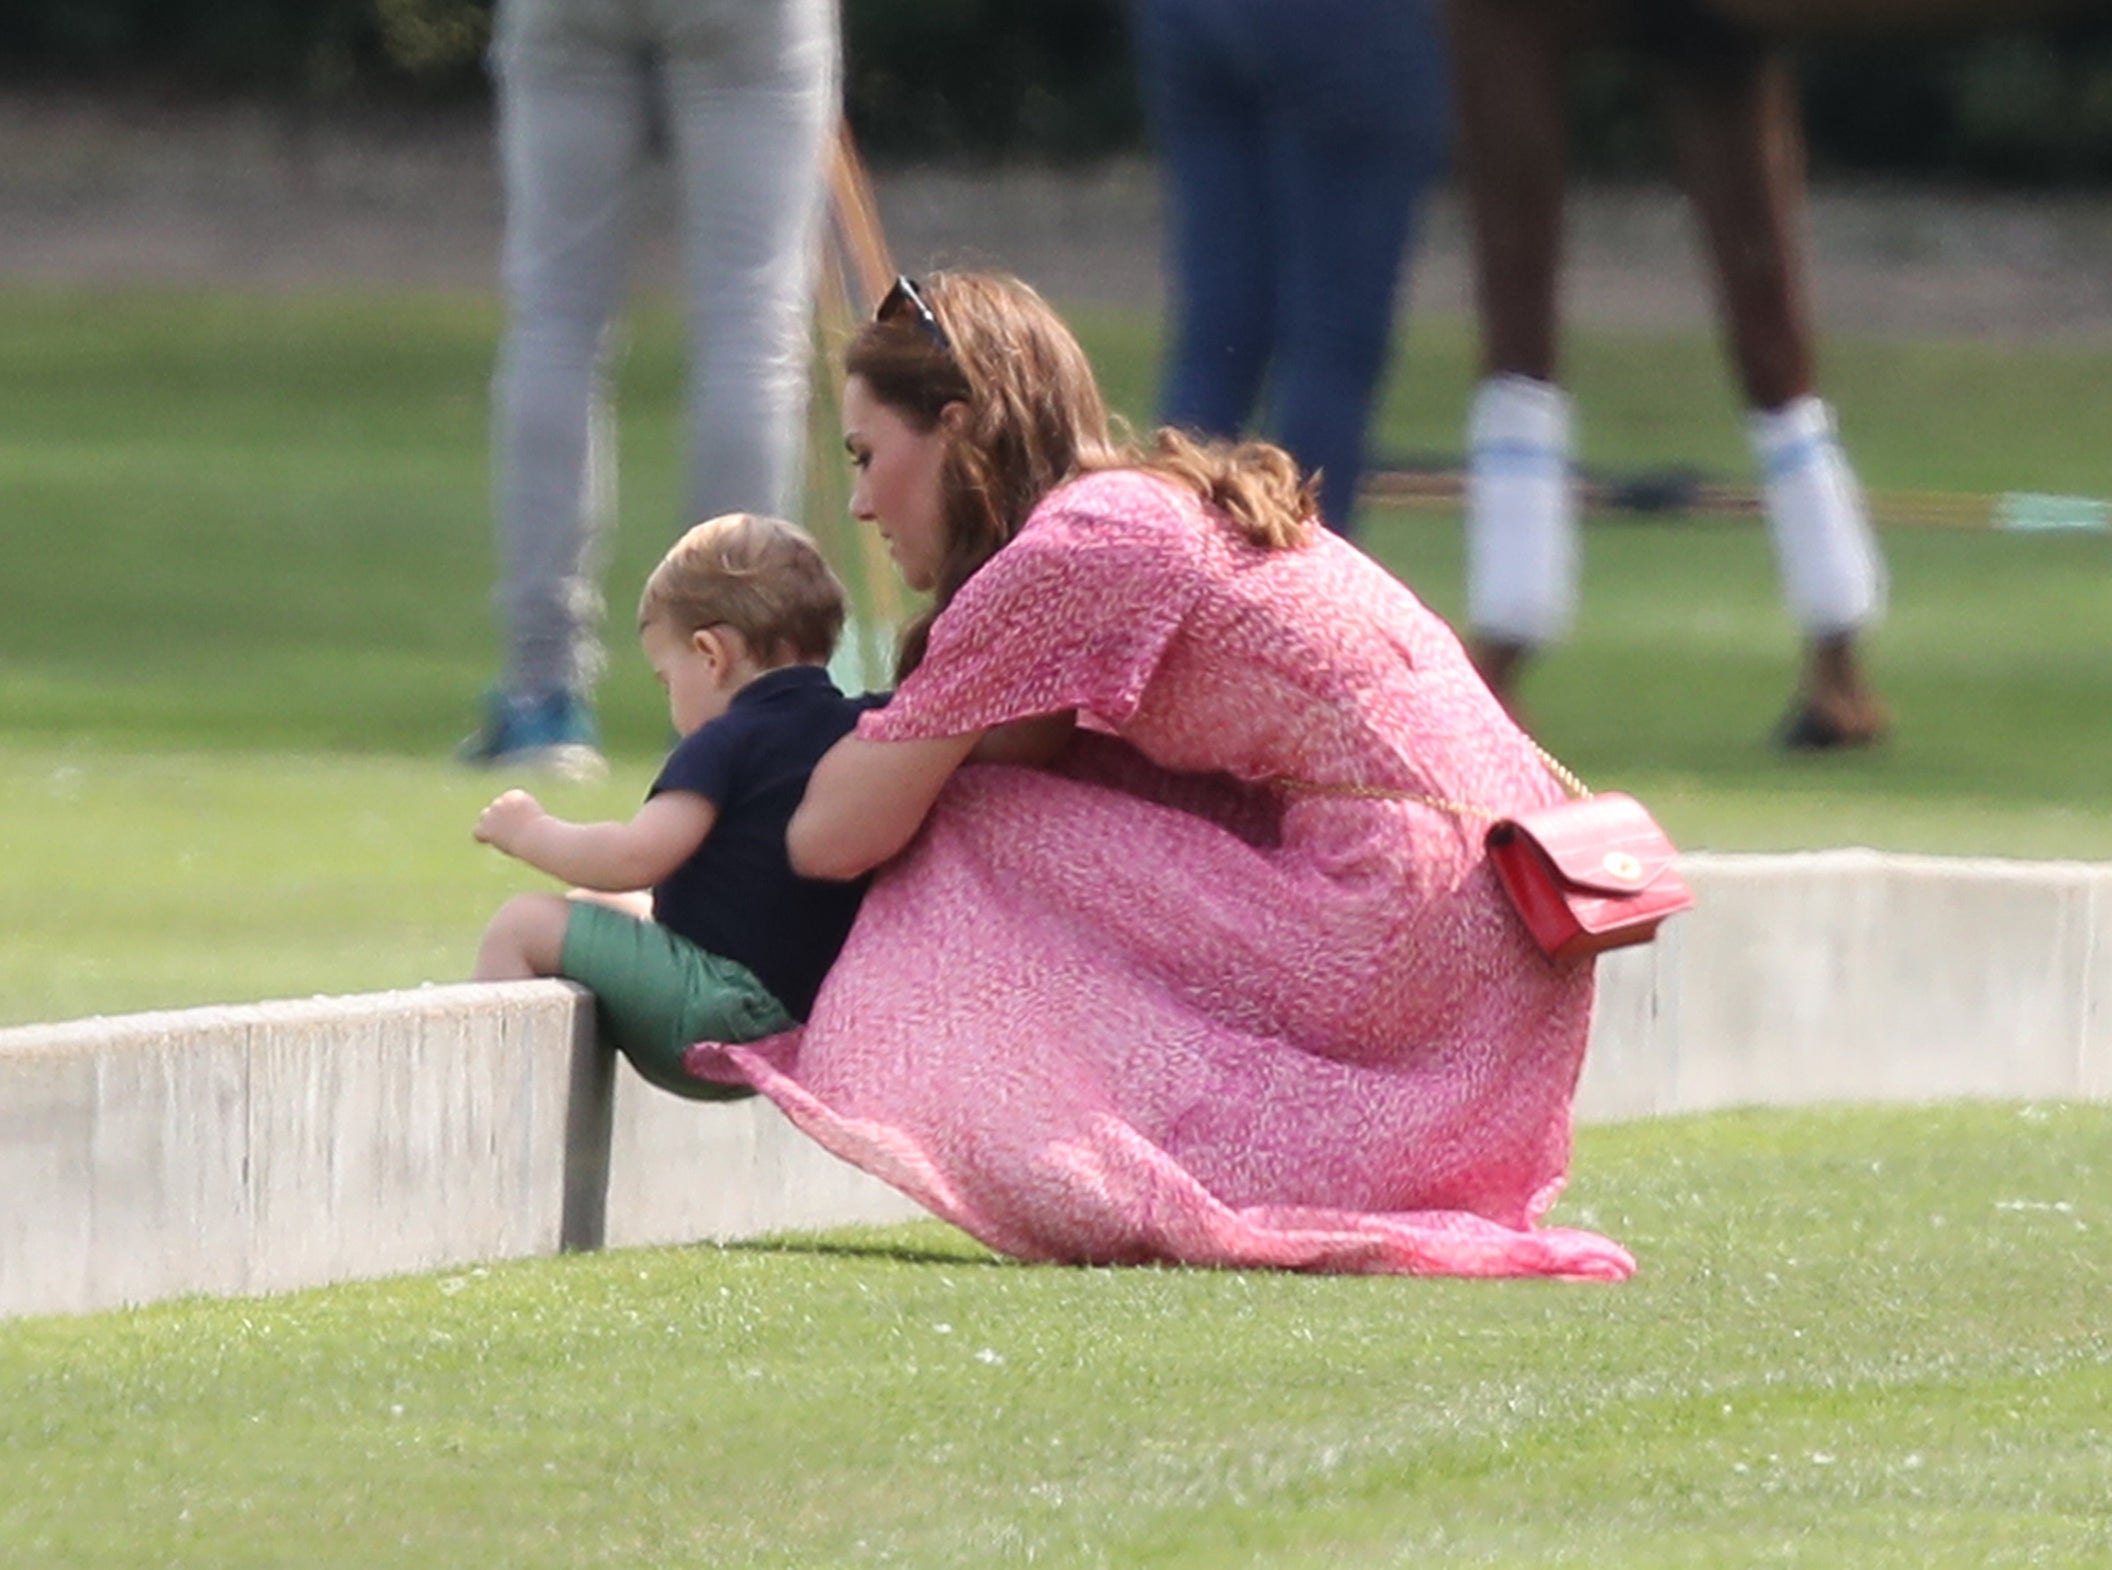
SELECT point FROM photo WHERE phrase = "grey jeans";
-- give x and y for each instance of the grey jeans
(746, 92)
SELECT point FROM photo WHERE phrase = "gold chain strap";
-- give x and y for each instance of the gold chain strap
(1567, 780)
(1563, 776)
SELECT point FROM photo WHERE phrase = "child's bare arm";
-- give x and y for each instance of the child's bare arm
(613, 857)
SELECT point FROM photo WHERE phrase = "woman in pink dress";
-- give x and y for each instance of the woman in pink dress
(1174, 952)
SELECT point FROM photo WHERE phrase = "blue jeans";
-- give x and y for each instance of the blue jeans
(1296, 138)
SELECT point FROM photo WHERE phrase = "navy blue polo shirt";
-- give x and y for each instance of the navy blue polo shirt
(738, 896)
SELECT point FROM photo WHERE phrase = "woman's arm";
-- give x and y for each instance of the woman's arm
(611, 857)
(867, 800)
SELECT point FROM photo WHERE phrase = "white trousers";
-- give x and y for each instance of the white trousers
(745, 93)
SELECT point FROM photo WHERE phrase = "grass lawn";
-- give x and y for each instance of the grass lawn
(244, 619)
(1863, 1339)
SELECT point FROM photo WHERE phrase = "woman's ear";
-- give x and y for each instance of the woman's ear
(954, 417)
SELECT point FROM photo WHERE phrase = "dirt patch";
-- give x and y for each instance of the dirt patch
(95, 190)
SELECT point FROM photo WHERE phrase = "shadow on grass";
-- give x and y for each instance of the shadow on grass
(891, 1247)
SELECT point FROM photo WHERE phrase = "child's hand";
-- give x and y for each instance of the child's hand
(504, 821)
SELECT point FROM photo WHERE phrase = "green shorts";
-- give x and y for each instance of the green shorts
(657, 994)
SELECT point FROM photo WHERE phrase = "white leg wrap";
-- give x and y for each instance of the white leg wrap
(1521, 513)
(1833, 575)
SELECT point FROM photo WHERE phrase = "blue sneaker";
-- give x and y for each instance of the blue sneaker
(552, 734)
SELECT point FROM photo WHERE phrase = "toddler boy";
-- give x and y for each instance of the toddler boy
(738, 622)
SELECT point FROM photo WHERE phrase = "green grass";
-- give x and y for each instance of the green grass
(1863, 1339)
(168, 879)
(244, 618)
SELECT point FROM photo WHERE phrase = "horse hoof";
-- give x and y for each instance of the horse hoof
(1813, 727)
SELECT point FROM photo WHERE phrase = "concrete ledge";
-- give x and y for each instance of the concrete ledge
(1848, 975)
(258, 1149)
(281, 1145)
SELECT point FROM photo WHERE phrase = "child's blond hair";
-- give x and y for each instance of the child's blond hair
(762, 577)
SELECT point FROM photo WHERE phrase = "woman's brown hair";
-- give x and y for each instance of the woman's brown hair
(1035, 418)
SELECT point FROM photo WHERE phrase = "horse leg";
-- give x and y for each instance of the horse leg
(1738, 137)
(1739, 141)
(1509, 59)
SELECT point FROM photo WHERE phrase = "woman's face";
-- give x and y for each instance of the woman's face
(896, 483)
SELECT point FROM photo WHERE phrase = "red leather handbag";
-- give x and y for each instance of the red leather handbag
(1588, 875)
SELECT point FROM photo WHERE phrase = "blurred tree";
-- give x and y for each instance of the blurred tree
(429, 38)
(1052, 79)
(2031, 108)
(991, 78)
(314, 49)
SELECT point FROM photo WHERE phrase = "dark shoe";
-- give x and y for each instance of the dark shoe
(554, 734)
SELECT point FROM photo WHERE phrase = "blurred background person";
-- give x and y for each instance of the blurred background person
(1296, 139)
(742, 95)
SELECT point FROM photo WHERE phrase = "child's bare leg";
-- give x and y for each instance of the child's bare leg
(525, 939)
(638, 903)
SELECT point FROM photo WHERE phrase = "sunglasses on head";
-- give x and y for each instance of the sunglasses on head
(906, 300)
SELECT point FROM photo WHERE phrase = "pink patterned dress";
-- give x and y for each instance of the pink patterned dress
(1156, 1003)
